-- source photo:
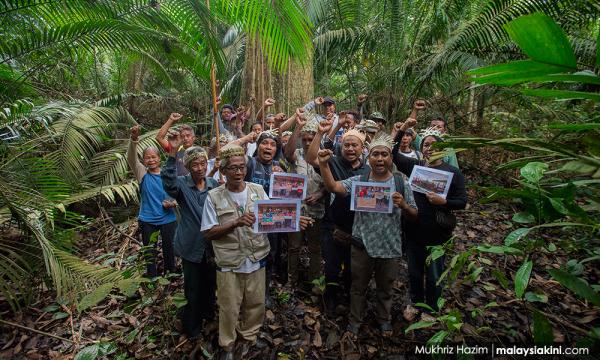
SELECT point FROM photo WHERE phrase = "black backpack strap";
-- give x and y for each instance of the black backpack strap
(251, 167)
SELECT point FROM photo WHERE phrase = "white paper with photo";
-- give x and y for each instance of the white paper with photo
(425, 179)
(288, 186)
(371, 197)
(275, 216)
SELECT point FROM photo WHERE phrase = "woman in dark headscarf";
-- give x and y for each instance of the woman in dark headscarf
(435, 222)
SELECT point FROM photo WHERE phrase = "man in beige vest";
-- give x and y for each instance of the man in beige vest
(240, 253)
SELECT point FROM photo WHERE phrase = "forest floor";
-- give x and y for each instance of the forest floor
(146, 325)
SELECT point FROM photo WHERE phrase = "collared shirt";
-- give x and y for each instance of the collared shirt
(189, 242)
(339, 212)
(380, 233)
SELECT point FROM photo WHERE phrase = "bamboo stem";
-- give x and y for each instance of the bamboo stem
(213, 81)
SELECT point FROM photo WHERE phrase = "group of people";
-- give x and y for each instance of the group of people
(215, 194)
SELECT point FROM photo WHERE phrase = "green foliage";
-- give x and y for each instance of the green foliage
(575, 284)
(542, 330)
(522, 278)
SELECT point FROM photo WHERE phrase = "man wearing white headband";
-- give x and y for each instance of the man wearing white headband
(376, 237)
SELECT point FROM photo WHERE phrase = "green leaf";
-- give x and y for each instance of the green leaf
(438, 337)
(131, 336)
(542, 40)
(575, 127)
(498, 275)
(561, 94)
(522, 218)
(128, 287)
(533, 297)
(522, 278)
(88, 353)
(60, 315)
(542, 330)
(425, 306)
(419, 325)
(499, 249)
(96, 296)
(578, 167)
(576, 285)
(51, 308)
(558, 206)
(179, 300)
(163, 281)
(534, 171)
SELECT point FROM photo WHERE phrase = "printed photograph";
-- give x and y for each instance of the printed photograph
(371, 197)
(424, 180)
(288, 186)
(273, 216)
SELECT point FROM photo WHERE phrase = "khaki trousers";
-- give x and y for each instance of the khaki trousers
(241, 299)
(313, 238)
(363, 267)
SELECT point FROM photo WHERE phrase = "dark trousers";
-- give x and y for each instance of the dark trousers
(385, 272)
(423, 277)
(199, 286)
(336, 255)
(167, 233)
(295, 242)
(275, 259)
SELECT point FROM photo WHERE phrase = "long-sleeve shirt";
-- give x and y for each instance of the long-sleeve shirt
(151, 191)
(425, 229)
(189, 242)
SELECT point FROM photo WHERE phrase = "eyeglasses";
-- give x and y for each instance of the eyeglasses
(235, 169)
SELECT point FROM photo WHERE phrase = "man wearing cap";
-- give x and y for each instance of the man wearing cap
(329, 104)
(339, 218)
(376, 237)
(191, 191)
(379, 119)
(406, 143)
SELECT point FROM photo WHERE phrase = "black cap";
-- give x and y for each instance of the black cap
(328, 100)
(228, 106)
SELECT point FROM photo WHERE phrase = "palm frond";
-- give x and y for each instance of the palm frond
(282, 27)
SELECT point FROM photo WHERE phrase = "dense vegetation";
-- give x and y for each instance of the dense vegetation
(75, 74)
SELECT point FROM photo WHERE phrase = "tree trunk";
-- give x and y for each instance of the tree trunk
(291, 89)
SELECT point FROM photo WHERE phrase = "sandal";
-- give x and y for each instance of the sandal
(386, 329)
(410, 313)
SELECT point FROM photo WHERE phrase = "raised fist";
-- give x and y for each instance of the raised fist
(174, 117)
(269, 102)
(410, 122)
(420, 105)
(300, 118)
(324, 155)
(174, 140)
(135, 133)
(325, 125)
(319, 100)
(362, 98)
